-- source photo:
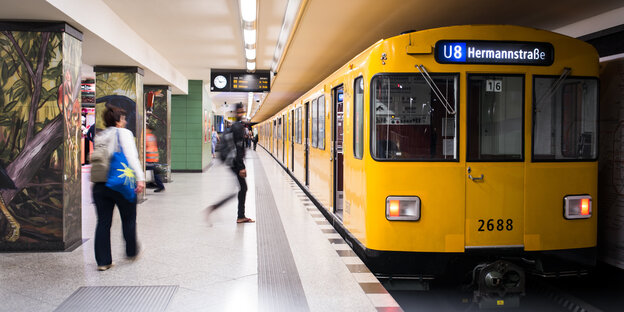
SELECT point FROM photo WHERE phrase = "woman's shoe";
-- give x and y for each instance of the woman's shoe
(104, 267)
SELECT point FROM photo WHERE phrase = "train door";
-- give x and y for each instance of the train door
(284, 131)
(336, 149)
(495, 161)
(306, 111)
(292, 141)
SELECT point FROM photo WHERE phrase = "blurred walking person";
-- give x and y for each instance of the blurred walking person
(105, 198)
(238, 167)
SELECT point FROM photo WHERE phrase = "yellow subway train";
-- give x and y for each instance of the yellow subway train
(457, 145)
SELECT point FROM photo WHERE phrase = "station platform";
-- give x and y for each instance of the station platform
(291, 259)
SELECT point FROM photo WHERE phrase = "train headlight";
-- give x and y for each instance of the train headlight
(402, 208)
(577, 207)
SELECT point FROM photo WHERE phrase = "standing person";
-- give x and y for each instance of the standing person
(255, 137)
(238, 167)
(151, 158)
(105, 198)
(215, 140)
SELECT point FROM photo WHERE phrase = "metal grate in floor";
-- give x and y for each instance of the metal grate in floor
(119, 298)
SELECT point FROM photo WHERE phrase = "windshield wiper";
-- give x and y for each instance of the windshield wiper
(554, 87)
(447, 106)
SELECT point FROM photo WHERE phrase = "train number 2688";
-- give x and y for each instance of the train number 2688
(499, 225)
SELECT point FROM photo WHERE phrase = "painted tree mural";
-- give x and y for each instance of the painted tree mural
(39, 124)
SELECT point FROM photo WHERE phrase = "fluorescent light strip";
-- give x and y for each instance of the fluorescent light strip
(250, 54)
(248, 10)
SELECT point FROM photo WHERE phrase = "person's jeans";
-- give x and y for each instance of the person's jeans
(241, 195)
(157, 178)
(105, 200)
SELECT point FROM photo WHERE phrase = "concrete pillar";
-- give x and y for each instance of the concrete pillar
(40, 172)
(122, 87)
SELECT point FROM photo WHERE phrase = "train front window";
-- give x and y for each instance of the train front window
(565, 122)
(495, 117)
(409, 122)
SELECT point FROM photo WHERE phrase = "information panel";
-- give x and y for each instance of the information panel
(494, 52)
(224, 80)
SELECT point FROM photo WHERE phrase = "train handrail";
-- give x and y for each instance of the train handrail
(447, 106)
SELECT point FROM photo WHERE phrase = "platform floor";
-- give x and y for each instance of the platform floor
(290, 260)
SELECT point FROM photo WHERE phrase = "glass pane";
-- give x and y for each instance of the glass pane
(410, 122)
(314, 121)
(495, 117)
(565, 125)
(321, 125)
(358, 116)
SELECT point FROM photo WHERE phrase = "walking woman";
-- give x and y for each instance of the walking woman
(105, 198)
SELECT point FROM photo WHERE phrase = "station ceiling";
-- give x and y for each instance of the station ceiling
(178, 40)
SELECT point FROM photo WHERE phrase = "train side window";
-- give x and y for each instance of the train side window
(358, 118)
(314, 121)
(299, 125)
(321, 122)
(565, 122)
(408, 121)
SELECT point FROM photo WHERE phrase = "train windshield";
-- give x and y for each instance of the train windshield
(409, 121)
(565, 123)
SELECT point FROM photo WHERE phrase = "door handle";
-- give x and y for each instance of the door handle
(475, 179)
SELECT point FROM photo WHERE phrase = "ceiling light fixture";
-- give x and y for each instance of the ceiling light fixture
(250, 54)
(249, 14)
(248, 10)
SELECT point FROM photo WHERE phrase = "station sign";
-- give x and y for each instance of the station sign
(226, 80)
(494, 52)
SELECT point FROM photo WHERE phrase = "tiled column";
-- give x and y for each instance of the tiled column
(159, 117)
(40, 173)
(122, 87)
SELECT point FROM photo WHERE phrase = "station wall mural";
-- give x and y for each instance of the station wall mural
(124, 89)
(158, 112)
(40, 174)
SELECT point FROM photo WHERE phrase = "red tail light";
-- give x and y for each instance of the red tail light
(585, 206)
(394, 208)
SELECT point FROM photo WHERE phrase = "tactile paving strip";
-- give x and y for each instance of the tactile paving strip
(119, 298)
(279, 285)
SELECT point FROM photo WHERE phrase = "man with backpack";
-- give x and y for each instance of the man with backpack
(236, 136)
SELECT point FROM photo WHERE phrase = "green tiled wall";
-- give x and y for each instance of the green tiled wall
(187, 128)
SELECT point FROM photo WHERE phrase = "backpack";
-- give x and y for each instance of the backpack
(227, 148)
(100, 160)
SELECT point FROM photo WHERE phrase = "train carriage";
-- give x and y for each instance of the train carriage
(464, 144)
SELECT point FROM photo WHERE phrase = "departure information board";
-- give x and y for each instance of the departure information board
(224, 80)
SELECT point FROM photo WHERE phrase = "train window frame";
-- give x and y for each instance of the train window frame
(522, 110)
(299, 117)
(358, 149)
(321, 122)
(456, 76)
(534, 104)
(313, 117)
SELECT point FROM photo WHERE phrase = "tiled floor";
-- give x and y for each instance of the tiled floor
(213, 260)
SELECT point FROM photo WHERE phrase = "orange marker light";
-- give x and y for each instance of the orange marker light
(394, 208)
(585, 206)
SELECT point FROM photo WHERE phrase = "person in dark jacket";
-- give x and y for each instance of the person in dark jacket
(238, 166)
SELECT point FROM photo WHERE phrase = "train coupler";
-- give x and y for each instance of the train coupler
(499, 284)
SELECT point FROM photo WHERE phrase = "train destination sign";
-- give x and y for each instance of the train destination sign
(494, 52)
(224, 80)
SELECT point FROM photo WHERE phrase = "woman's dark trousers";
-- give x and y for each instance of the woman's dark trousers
(105, 200)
